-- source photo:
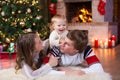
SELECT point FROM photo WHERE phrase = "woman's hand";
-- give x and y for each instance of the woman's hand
(53, 61)
(69, 71)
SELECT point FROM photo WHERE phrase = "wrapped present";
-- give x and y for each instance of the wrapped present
(12, 49)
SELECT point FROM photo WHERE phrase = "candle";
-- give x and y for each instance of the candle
(96, 43)
(113, 43)
(92, 43)
(101, 44)
(109, 43)
(106, 44)
(114, 38)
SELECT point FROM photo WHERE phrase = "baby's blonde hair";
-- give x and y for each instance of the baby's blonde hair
(57, 18)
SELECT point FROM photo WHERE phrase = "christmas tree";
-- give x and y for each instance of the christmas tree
(21, 16)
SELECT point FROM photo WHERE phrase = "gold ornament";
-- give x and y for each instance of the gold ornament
(4, 45)
(27, 30)
(38, 8)
(29, 10)
(13, 24)
(33, 2)
(3, 13)
(36, 1)
(19, 11)
(13, 12)
(34, 24)
(20, 1)
(7, 40)
(22, 23)
(38, 17)
(31, 17)
(6, 20)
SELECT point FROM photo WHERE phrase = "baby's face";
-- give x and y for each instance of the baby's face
(60, 26)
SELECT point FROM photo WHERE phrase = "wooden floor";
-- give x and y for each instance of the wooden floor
(110, 59)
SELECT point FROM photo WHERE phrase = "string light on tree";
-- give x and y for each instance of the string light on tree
(3, 13)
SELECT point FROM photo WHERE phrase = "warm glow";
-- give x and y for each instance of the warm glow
(85, 16)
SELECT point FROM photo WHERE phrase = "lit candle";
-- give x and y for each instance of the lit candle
(114, 38)
(96, 43)
(109, 43)
(101, 44)
(113, 43)
(106, 44)
(92, 42)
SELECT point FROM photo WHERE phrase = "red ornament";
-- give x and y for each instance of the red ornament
(101, 7)
(52, 8)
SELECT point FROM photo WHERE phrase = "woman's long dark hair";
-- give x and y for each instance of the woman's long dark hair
(25, 51)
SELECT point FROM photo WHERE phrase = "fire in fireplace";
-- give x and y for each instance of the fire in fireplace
(79, 11)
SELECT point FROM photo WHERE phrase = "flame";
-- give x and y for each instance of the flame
(85, 15)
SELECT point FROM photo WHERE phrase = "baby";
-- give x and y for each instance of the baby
(59, 25)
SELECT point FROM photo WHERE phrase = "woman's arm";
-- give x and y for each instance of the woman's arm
(45, 69)
(39, 72)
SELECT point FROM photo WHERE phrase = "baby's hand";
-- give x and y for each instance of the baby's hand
(53, 61)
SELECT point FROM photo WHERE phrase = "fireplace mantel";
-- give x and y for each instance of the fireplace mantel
(99, 30)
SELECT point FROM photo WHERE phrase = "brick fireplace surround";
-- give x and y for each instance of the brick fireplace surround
(101, 26)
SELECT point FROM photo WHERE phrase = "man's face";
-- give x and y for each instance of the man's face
(67, 47)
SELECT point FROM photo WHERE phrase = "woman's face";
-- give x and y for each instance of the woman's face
(67, 47)
(38, 44)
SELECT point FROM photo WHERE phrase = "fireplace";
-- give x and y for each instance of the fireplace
(79, 11)
(70, 8)
(100, 28)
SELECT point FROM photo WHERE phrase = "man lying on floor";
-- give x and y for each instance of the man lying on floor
(73, 50)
